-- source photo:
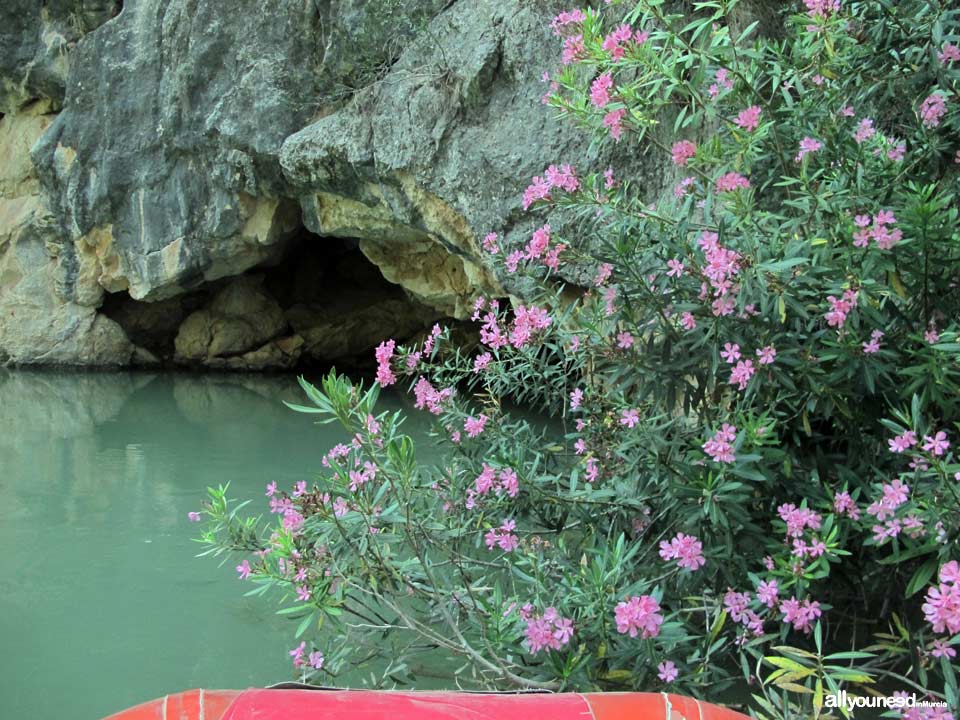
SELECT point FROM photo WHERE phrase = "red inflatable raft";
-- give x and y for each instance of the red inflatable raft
(273, 704)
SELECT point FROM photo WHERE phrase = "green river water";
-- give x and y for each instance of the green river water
(102, 602)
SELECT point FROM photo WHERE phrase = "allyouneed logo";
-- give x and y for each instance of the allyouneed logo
(899, 701)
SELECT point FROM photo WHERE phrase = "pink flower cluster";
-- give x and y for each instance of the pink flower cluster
(639, 614)
(563, 178)
(527, 322)
(362, 477)
(502, 537)
(865, 131)
(808, 145)
(314, 659)
(942, 608)
(731, 182)
(490, 479)
(720, 446)
(932, 110)
(600, 90)
(843, 504)
(800, 615)
(474, 426)
(429, 398)
(617, 42)
(384, 353)
(873, 346)
(722, 81)
(687, 550)
(821, 8)
(839, 309)
(682, 152)
(798, 519)
(737, 607)
(949, 54)
(720, 267)
(570, 17)
(877, 231)
(549, 630)
(749, 119)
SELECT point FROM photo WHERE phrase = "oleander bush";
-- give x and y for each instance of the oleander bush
(744, 484)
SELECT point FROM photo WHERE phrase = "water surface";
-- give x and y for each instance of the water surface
(102, 602)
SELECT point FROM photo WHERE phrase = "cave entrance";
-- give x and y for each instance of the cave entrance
(319, 302)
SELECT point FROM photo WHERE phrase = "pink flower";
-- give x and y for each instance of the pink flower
(315, 660)
(271, 489)
(615, 41)
(244, 569)
(608, 181)
(949, 54)
(730, 352)
(573, 49)
(844, 505)
(490, 243)
(303, 593)
(720, 447)
(741, 374)
(566, 18)
(475, 426)
(932, 110)
(942, 608)
(613, 120)
(676, 268)
(563, 177)
(603, 274)
(896, 153)
(527, 322)
(687, 550)
(549, 630)
(503, 537)
(821, 8)
(683, 187)
(749, 119)
(428, 398)
(539, 189)
(682, 152)
(931, 336)
(939, 648)
(193, 516)
(865, 131)
(592, 471)
(481, 361)
(839, 309)
(297, 654)
(629, 418)
(576, 397)
(639, 614)
(624, 340)
(807, 145)
(688, 321)
(667, 671)
(731, 182)
(538, 242)
(903, 442)
(797, 519)
(950, 572)
(873, 345)
(600, 90)
(768, 593)
(937, 444)
(767, 355)
(384, 353)
(801, 615)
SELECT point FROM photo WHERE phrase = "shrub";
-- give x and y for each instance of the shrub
(747, 476)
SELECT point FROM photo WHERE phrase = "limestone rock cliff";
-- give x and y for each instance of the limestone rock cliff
(165, 159)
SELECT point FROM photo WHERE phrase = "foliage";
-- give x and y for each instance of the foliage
(748, 477)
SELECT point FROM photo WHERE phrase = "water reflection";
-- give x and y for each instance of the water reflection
(102, 603)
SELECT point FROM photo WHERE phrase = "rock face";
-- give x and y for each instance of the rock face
(167, 157)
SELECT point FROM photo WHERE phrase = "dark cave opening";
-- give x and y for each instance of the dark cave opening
(319, 303)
